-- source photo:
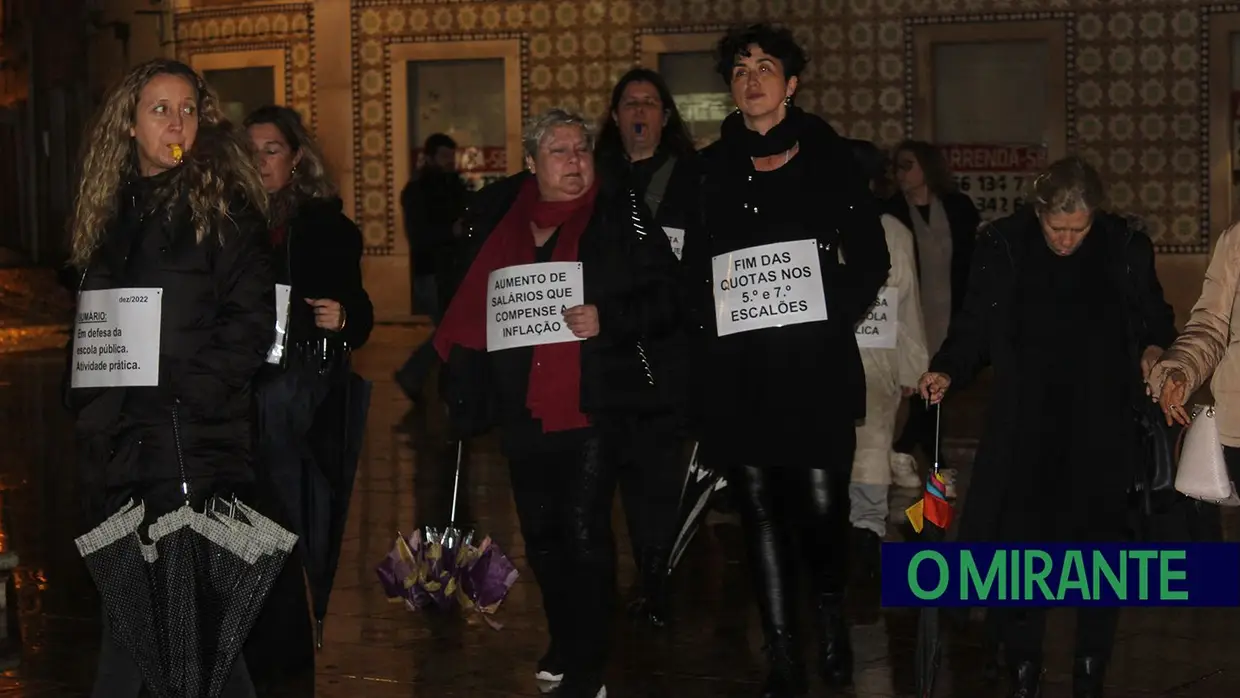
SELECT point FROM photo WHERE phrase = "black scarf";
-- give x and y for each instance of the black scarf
(781, 138)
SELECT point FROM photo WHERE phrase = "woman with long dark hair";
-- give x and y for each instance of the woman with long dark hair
(170, 199)
(645, 148)
(317, 254)
(778, 380)
(944, 224)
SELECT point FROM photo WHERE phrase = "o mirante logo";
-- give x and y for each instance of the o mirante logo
(954, 574)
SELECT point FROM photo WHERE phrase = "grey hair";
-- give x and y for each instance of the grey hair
(1067, 186)
(537, 128)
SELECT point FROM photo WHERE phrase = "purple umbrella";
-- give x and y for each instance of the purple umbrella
(441, 568)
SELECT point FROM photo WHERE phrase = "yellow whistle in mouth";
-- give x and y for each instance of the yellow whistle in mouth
(176, 152)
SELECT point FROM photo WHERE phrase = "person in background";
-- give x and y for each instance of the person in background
(433, 203)
(774, 403)
(891, 373)
(317, 252)
(944, 224)
(644, 147)
(1068, 377)
(552, 402)
(1208, 350)
(170, 198)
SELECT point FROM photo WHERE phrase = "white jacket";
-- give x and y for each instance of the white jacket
(888, 370)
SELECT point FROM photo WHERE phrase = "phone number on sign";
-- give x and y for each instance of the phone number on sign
(994, 194)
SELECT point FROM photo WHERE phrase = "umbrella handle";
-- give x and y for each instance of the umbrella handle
(176, 437)
(456, 482)
(938, 423)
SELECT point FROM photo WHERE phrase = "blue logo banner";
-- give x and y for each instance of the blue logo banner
(1061, 574)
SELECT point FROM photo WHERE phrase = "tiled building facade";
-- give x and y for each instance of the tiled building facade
(1135, 89)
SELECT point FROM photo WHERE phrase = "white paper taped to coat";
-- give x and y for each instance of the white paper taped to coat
(526, 304)
(768, 286)
(116, 338)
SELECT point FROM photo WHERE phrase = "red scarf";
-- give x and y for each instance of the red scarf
(554, 395)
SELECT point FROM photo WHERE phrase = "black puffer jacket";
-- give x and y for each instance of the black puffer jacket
(217, 323)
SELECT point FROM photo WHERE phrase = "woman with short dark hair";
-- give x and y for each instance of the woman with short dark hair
(1068, 375)
(778, 381)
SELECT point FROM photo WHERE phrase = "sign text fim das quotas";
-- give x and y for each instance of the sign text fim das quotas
(1061, 574)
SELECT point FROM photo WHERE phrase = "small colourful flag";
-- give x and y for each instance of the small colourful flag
(938, 509)
(932, 507)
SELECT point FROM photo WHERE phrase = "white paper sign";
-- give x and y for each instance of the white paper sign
(878, 329)
(526, 304)
(676, 236)
(116, 338)
(768, 286)
(276, 352)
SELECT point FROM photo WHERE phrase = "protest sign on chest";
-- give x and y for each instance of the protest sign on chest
(881, 323)
(676, 236)
(276, 352)
(116, 338)
(768, 286)
(526, 304)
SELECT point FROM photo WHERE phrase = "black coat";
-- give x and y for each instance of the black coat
(218, 320)
(681, 196)
(432, 202)
(630, 275)
(981, 335)
(322, 255)
(964, 220)
(771, 397)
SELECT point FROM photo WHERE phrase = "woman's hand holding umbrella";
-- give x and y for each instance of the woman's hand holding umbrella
(933, 386)
(1171, 398)
(328, 314)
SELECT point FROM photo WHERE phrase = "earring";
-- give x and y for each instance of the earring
(788, 101)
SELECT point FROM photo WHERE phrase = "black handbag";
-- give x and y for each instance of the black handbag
(1159, 454)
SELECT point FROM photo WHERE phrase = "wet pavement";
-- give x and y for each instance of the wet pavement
(377, 649)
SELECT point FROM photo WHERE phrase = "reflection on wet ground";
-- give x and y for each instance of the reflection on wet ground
(376, 649)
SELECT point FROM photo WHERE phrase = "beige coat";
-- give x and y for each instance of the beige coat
(1210, 342)
(888, 370)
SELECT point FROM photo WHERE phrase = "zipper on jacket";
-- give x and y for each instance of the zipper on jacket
(641, 233)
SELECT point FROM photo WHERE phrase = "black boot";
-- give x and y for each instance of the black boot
(835, 653)
(650, 604)
(1088, 676)
(787, 677)
(1026, 679)
(655, 582)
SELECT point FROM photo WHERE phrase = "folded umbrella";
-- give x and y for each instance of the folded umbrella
(700, 484)
(327, 482)
(183, 603)
(930, 516)
(441, 568)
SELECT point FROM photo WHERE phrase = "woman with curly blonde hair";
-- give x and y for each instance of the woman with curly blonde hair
(170, 199)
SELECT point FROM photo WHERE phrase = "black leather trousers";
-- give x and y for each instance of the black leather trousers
(779, 503)
(564, 496)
